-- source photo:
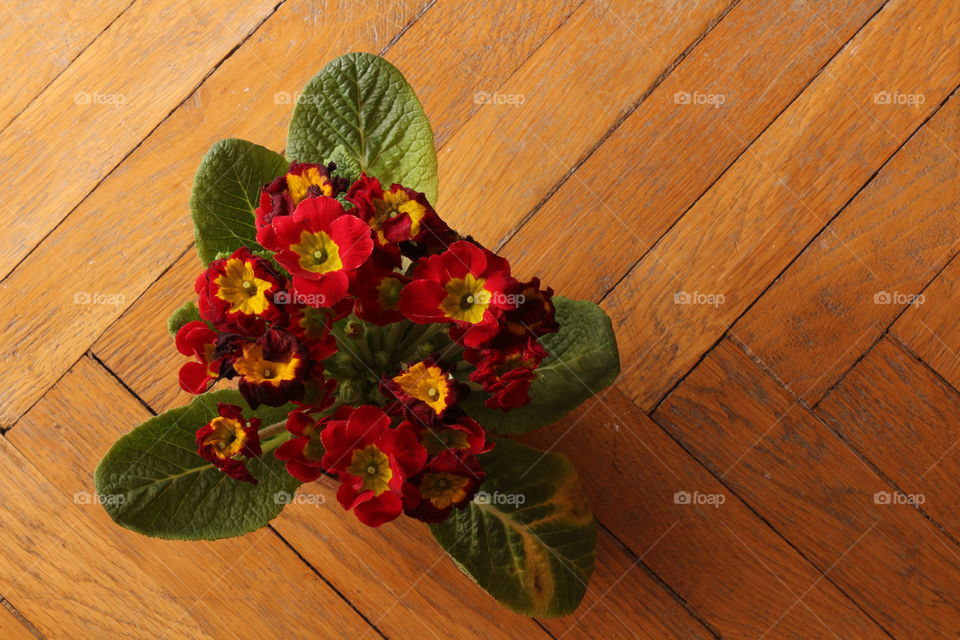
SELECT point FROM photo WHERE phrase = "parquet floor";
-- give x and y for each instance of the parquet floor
(763, 194)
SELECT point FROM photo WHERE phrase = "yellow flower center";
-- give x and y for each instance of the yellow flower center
(427, 384)
(373, 466)
(238, 285)
(443, 489)
(388, 293)
(227, 438)
(437, 440)
(255, 368)
(299, 185)
(466, 299)
(318, 252)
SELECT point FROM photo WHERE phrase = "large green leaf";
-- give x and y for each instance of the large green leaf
(152, 480)
(187, 312)
(360, 102)
(528, 537)
(226, 191)
(583, 360)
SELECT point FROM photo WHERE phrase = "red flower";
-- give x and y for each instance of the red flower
(303, 454)
(227, 436)
(396, 215)
(372, 460)
(426, 389)
(272, 369)
(464, 285)
(449, 480)
(463, 435)
(507, 373)
(531, 313)
(198, 340)
(281, 197)
(378, 294)
(236, 293)
(320, 244)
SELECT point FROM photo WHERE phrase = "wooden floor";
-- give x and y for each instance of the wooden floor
(763, 194)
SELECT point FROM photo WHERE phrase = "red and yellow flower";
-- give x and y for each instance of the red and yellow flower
(303, 454)
(378, 294)
(463, 434)
(272, 369)
(507, 373)
(372, 460)
(236, 293)
(464, 285)
(198, 340)
(426, 389)
(450, 479)
(395, 215)
(320, 244)
(226, 438)
(530, 313)
(281, 197)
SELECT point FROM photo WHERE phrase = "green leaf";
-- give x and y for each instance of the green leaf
(528, 537)
(362, 103)
(226, 191)
(187, 312)
(152, 480)
(347, 166)
(583, 360)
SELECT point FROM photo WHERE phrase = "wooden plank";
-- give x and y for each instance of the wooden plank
(727, 564)
(623, 601)
(670, 150)
(781, 192)
(459, 49)
(97, 111)
(865, 268)
(113, 245)
(813, 489)
(11, 628)
(930, 329)
(899, 414)
(65, 435)
(542, 121)
(65, 576)
(396, 574)
(44, 37)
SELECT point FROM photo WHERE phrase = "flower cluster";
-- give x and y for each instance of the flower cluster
(363, 309)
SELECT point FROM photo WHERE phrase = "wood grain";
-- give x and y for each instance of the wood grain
(11, 628)
(583, 79)
(894, 408)
(97, 111)
(813, 489)
(89, 254)
(205, 578)
(723, 560)
(865, 268)
(667, 153)
(743, 232)
(44, 37)
(930, 329)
